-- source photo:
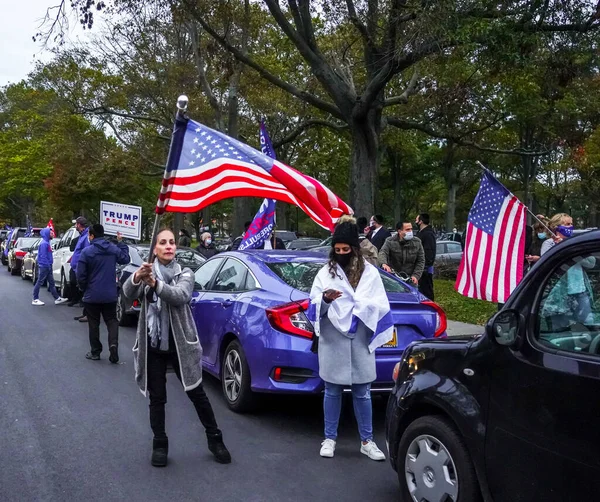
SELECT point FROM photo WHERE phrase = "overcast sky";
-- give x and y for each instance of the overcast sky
(19, 21)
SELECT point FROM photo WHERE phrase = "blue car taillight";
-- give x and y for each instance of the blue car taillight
(290, 318)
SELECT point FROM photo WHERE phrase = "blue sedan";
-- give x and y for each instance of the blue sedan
(249, 308)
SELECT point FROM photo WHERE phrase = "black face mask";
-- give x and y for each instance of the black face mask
(343, 259)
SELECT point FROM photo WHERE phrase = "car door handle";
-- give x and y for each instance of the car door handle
(227, 303)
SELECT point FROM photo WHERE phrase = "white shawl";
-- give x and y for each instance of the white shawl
(369, 303)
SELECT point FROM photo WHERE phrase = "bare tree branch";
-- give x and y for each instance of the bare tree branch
(306, 125)
(368, 41)
(409, 91)
(102, 111)
(120, 138)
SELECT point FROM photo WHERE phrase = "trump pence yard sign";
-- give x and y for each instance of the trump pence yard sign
(122, 218)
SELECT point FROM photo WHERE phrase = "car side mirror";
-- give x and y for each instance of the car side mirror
(504, 327)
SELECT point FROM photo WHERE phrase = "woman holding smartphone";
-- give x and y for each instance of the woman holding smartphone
(351, 315)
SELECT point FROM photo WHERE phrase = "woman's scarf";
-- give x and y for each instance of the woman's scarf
(368, 303)
(158, 318)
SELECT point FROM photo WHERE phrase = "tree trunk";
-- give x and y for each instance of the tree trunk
(398, 197)
(451, 178)
(177, 225)
(363, 171)
(451, 207)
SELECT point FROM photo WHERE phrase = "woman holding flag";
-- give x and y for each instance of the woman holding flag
(351, 315)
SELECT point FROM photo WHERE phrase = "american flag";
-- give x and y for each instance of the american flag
(492, 262)
(206, 166)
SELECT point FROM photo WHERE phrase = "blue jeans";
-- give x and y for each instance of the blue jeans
(363, 410)
(45, 274)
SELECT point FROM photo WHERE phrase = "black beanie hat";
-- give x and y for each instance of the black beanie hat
(346, 233)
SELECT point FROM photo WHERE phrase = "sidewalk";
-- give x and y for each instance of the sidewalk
(462, 328)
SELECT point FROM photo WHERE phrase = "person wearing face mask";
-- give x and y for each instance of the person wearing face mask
(561, 225)
(351, 316)
(206, 247)
(403, 253)
(539, 234)
(167, 336)
(427, 237)
(378, 233)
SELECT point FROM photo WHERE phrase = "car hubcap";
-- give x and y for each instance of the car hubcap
(119, 309)
(430, 471)
(232, 375)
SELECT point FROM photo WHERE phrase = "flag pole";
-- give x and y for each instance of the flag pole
(182, 104)
(526, 208)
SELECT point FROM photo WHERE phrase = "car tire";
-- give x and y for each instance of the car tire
(23, 274)
(433, 436)
(34, 274)
(13, 271)
(123, 318)
(235, 379)
(64, 287)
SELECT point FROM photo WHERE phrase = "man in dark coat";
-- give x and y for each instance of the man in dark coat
(184, 238)
(427, 236)
(96, 277)
(378, 234)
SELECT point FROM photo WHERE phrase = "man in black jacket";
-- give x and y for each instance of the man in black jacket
(378, 234)
(427, 236)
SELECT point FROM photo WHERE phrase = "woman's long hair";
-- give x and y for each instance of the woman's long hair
(354, 270)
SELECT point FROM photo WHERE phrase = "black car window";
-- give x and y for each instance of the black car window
(231, 277)
(569, 311)
(205, 273)
(189, 258)
(440, 248)
(301, 275)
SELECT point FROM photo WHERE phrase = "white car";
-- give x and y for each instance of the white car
(62, 260)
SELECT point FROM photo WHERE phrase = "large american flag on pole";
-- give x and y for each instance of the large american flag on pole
(492, 262)
(206, 166)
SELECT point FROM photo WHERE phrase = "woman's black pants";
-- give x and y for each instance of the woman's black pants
(157, 388)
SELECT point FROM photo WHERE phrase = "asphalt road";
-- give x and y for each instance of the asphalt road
(77, 430)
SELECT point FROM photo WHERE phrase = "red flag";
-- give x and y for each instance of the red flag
(492, 262)
(51, 226)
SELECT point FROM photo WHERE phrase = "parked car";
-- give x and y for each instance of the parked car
(249, 309)
(447, 259)
(286, 236)
(62, 261)
(17, 232)
(17, 252)
(29, 269)
(303, 243)
(128, 310)
(510, 415)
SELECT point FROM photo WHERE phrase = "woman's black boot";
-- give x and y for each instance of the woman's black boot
(218, 449)
(160, 451)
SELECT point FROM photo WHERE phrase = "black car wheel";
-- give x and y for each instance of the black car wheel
(23, 274)
(34, 274)
(235, 379)
(64, 285)
(12, 268)
(123, 318)
(434, 463)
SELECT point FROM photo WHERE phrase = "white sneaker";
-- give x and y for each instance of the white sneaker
(327, 448)
(37, 302)
(60, 301)
(370, 450)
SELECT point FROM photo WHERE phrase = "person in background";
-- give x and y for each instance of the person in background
(403, 253)
(348, 301)
(167, 334)
(206, 247)
(562, 226)
(238, 240)
(455, 236)
(539, 234)
(273, 242)
(96, 277)
(378, 233)
(367, 248)
(44, 262)
(81, 224)
(184, 238)
(427, 237)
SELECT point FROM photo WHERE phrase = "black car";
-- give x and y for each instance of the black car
(128, 310)
(513, 414)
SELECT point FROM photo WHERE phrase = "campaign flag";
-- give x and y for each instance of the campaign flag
(29, 232)
(266, 146)
(8, 239)
(261, 227)
(206, 166)
(492, 262)
(51, 225)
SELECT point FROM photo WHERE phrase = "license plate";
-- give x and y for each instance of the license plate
(393, 343)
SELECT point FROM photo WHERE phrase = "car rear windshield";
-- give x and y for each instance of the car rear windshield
(301, 275)
(26, 242)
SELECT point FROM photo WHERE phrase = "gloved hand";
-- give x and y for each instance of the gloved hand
(430, 270)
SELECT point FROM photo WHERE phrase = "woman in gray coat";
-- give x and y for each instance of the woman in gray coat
(351, 314)
(167, 335)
